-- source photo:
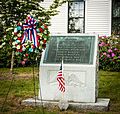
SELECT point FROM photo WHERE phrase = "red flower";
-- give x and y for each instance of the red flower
(20, 50)
(23, 62)
(38, 44)
(19, 38)
(44, 46)
(26, 55)
(38, 36)
(41, 30)
(15, 33)
(25, 59)
(32, 46)
(45, 26)
(44, 41)
(18, 24)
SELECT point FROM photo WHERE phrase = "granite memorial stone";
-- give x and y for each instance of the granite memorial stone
(79, 53)
(80, 70)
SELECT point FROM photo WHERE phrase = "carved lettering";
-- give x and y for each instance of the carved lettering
(71, 49)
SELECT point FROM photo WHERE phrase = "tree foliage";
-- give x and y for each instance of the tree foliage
(14, 11)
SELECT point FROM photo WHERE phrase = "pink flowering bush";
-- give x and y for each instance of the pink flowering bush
(109, 53)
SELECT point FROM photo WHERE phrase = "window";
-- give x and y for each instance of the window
(116, 17)
(76, 16)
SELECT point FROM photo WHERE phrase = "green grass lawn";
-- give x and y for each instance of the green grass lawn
(23, 87)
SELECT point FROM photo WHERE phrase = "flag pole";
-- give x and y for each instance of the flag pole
(64, 78)
(63, 103)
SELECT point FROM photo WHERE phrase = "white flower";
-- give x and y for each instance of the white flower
(18, 46)
(3, 44)
(14, 21)
(23, 48)
(36, 51)
(19, 35)
(116, 42)
(9, 29)
(15, 38)
(28, 15)
(4, 36)
(13, 43)
(40, 47)
(20, 23)
(45, 32)
(15, 30)
(13, 46)
(41, 42)
(27, 46)
(16, 53)
(40, 34)
(28, 41)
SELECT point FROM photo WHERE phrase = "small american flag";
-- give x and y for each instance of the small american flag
(60, 79)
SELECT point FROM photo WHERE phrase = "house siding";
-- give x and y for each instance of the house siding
(59, 24)
(97, 17)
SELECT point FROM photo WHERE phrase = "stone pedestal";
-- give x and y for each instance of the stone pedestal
(100, 105)
(80, 83)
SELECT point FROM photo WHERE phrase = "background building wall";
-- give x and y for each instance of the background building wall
(97, 17)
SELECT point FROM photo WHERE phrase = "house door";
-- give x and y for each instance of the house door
(116, 17)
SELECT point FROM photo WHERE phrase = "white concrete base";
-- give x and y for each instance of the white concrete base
(102, 104)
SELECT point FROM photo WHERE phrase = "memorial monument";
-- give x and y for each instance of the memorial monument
(79, 53)
(80, 70)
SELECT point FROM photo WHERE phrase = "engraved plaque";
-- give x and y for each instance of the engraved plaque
(73, 49)
(74, 78)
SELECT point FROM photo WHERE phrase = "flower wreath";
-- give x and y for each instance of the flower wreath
(30, 37)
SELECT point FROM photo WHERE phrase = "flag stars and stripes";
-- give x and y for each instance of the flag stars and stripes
(61, 80)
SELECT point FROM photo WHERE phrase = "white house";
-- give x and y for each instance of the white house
(86, 16)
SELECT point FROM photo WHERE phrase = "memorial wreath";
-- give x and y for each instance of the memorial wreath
(30, 37)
